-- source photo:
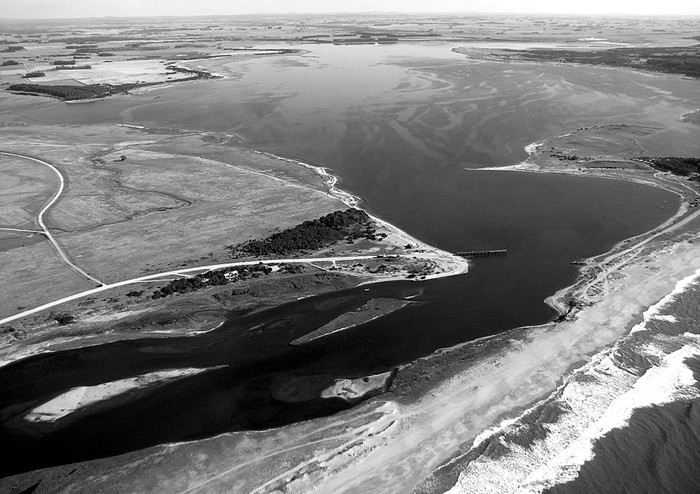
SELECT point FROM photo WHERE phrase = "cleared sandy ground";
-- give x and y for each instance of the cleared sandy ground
(115, 72)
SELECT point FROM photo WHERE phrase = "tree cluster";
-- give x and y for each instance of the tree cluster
(569, 157)
(80, 47)
(69, 93)
(62, 318)
(674, 60)
(199, 74)
(74, 67)
(312, 235)
(212, 278)
(65, 92)
(685, 167)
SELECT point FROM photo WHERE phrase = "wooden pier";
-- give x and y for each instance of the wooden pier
(483, 253)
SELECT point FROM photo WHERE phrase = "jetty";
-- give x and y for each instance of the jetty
(482, 253)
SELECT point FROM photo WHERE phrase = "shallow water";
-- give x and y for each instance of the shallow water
(401, 126)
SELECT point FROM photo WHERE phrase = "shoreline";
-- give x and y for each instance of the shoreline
(474, 396)
(451, 263)
(536, 360)
(518, 418)
(386, 444)
(442, 263)
(516, 360)
(599, 394)
(477, 399)
(588, 264)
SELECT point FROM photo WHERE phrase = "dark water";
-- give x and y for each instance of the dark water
(401, 139)
(659, 452)
(257, 357)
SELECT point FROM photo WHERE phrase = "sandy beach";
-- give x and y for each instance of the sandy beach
(531, 365)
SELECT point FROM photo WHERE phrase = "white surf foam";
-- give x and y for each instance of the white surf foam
(605, 400)
(598, 397)
(671, 381)
(653, 312)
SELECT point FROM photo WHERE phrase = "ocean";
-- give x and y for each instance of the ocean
(657, 449)
(625, 421)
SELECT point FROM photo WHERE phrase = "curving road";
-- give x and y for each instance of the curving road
(40, 218)
(177, 272)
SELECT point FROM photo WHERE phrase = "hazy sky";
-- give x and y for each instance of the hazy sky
(119, 8)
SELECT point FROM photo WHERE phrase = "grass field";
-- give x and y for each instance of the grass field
(26, 188)
(153, 211)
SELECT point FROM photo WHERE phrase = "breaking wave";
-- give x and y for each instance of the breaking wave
(548, 446)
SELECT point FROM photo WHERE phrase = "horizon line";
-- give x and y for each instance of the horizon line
(368, 12)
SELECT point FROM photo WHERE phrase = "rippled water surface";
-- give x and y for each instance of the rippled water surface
(404, 127)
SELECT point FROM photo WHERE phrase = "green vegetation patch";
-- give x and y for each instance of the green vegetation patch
(685, 167)
(348, 225)
(68, 93)
(671, 60)
(217, 277)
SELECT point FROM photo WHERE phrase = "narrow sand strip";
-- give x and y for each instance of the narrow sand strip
(83, 396)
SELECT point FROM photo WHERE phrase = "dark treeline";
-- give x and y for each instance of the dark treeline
(218, 277)
(73, 67)
(672, 60)
(347, 225)
(74, 92)
(686, 167)
(89, 91)
(199, 73)
(78, 47)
